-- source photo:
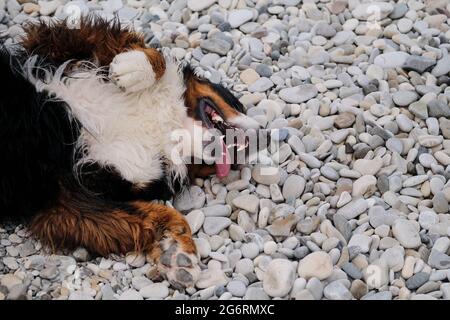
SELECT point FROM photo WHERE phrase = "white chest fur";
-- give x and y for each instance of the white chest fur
(131, 132)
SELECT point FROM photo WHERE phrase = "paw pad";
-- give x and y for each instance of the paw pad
(180, 268)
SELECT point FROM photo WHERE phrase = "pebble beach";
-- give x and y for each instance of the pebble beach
(357, 205)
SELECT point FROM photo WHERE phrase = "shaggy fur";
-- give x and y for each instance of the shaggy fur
(86, 131)
(96, 40)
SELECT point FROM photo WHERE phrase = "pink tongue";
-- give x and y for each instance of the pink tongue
(223, 168)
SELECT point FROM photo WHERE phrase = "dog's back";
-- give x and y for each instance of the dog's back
(36, 140)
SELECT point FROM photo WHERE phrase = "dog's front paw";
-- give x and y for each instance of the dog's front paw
(132, 71)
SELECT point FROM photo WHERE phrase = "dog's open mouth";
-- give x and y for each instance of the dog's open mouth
(213, 118)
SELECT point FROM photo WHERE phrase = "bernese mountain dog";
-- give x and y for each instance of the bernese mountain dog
(87, 118)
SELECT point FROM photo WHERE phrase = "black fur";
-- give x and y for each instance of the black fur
(229, 98)
(106, 182)
(36, 139)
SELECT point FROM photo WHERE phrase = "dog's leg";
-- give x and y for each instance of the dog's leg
(176, 254)
(102, 228)
(137, 69)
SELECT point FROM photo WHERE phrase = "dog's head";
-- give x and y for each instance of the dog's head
(219, 117)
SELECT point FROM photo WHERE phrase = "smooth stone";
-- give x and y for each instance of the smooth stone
(140, 282)
(343, 226)
(419, 109)
(400, 9)
(440, 203)
(203, 247)
(254, 293)
(358, 289)
(415, 180)
(443, 157)
(430, 141)
(344, 120)
(438, 108)
(249, 203)
(353, 209)
(293, 187)
(195, 220)
(404, 26)
(49, 273)
(238, 17)
(30, 8)
(131, 294)
(383, 295)
(352, 270)
(364, 186)
(376, 275)
(394, 257)
(236, 288)
(10, 280)
(365, 11)
(299, 93)
(304, 294)
(407, 233)
(337, 291)
(81, 295)
(81, 255)
(216, 45)
(47, 8)
(404, 98)
(250, 250)
(310, 160)
(249, 76)
(417, 280)
(442, 244)
(199, 5)
(315, 265)
(282, 226)
(264, 70)
(418, 63)
(391, 60)
(404, 123)
(278, 278)
(361, 241)
(428, 219)
(315, 286)
(261, 85)
(442, 67)
(427, 160)
(218, 210)
(439, 260)
(445, 288)
(444, 124)
(154, 291)
(266, 175)
(212, 277)
(213, 225)
(368, 167)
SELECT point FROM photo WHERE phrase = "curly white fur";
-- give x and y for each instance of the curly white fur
(129, 131)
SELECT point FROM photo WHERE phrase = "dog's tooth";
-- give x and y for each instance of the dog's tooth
(217, 118)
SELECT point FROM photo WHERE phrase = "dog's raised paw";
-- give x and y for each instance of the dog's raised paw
(131, 71)
(179, 267)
